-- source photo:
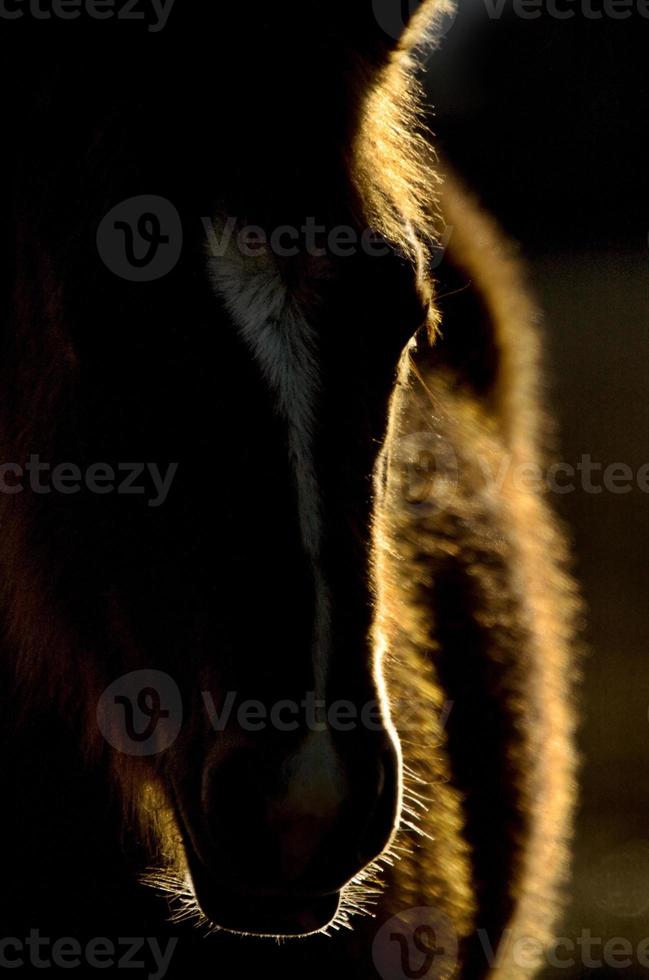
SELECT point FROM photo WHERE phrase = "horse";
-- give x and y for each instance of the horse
(324, 675)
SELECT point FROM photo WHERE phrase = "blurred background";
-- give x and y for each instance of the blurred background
(546, 119)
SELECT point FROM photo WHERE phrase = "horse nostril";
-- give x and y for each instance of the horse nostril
(302, 837)
(309, 823)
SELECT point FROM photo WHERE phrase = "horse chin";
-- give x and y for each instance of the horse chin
(273, 915)
(225, 905)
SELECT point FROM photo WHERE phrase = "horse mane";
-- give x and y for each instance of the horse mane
(393, 166)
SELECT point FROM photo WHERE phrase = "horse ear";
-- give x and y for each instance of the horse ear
(408, 22)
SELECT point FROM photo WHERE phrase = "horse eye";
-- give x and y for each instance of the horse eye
(420, 339)
(414, 338)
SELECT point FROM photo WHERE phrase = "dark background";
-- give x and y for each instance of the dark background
(547, 120)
